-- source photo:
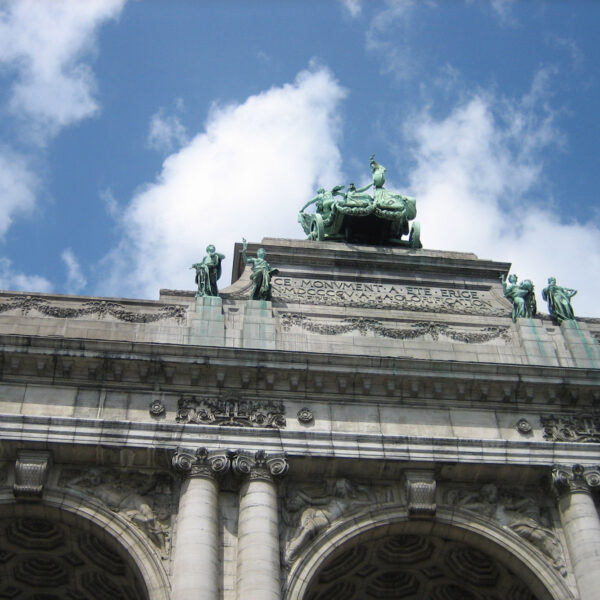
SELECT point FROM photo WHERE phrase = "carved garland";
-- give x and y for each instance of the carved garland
(584, 427)
(231, 411)
(363, 326)
(99, 307)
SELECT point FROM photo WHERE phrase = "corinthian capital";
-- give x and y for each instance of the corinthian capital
(201, 462)
(575, 478)
(259, 465)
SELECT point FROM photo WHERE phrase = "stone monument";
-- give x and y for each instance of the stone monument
(364, 421)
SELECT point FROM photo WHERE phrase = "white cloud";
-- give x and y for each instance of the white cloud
(44, 42)
(13, 280)
(17, 188)
(503, 8)
(76, 280)
(247, 175)
(166, 132)
(480, 188)
(388, 36)
(353, 7)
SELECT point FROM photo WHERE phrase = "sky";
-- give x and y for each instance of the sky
(133, 133)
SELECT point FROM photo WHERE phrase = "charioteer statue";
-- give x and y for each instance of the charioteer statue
(356, 216)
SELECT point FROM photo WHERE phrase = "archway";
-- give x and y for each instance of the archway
(455, 556)
(71, 549)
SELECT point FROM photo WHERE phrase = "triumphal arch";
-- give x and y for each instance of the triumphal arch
(354, 417)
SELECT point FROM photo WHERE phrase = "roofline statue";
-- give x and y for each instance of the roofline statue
(354, 215)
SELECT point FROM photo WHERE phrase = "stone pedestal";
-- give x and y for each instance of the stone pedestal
(207, 324)
(196, 561)
(259, 326)
(582, 346)
(258, 557)
(581, 524)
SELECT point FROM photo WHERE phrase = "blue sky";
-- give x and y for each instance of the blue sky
(134, 133)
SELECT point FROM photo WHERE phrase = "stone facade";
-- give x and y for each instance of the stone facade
(380, 429)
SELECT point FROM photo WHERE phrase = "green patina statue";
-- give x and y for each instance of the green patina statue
(559, 301)
(521, 296)
(355, 216)
(208, 272)
(261, 273)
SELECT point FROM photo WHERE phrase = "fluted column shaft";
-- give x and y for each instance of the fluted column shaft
(581, 525)
(195, 559)
(258, 554)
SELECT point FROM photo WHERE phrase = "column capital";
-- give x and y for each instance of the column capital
(575, 478)
(259, 465)
(201, 462)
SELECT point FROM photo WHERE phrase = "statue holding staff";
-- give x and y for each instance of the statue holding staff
(208, 272)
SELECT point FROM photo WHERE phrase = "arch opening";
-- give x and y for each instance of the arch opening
(383, 554)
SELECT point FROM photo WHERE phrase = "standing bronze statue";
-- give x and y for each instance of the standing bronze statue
(261, 273)
(521, 296)
(208, 272)
(559, 301)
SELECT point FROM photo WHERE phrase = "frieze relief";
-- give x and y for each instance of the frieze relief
(231, 410)
(146, 500)
(583, 427)
(513, 510)
(382, 296)
(311, 508)
(415, 330)
(99, 308)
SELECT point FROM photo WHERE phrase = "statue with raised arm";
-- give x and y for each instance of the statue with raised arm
(261, 273)
(208, 272)
(521, 296)
(559, 301)
(389, 205)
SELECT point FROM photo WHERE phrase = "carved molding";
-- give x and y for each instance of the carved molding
(583, 427)
(416, 330)
(101, 308)
(576, 478)
(259, 465)
(420, 493)
(201, 462)
(230, 410)
(31, 471)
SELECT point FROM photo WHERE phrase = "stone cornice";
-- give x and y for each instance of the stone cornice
(183, 369)
(68, 439)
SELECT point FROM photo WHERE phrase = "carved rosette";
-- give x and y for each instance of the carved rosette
(201, 462)
(260, 465)
(420, 492)
(31, 470)
(576, 478)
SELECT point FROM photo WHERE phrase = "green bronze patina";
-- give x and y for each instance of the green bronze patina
(559, 301)
(521, 296)
(261, 273)
(208, 271)
(355, 216)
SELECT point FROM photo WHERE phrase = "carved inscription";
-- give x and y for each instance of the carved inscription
(376, 295)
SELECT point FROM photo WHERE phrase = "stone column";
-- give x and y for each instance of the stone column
(195, 555)
(581, 524)
(258, 554)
